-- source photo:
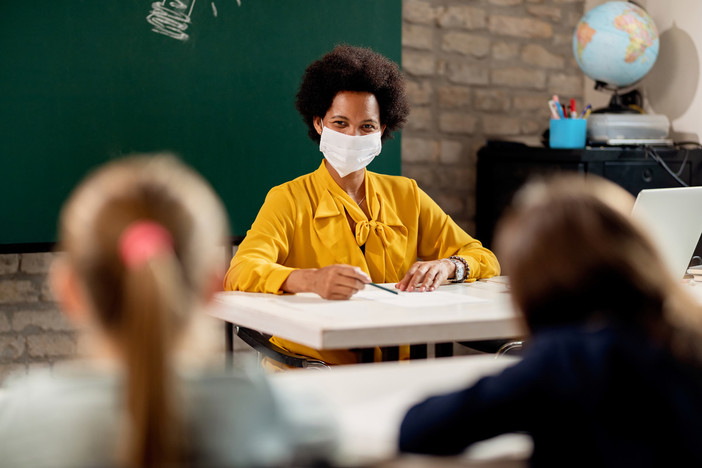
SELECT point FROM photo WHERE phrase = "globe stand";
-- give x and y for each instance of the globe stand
(619, 103)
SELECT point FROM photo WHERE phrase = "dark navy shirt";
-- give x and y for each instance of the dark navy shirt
(588, 397)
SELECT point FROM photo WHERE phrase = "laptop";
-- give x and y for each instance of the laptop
(673, 219)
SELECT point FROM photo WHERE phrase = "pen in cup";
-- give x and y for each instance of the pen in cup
(586, 112)
(383, 288)
(561, 114)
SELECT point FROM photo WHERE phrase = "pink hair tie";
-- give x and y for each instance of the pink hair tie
(141, 241)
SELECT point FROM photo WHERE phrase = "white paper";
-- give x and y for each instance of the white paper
(415, 299)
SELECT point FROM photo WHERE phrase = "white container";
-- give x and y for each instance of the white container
(609, 127)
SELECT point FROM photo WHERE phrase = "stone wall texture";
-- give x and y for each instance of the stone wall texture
(480, 70)
(33, 333)
(476, 69)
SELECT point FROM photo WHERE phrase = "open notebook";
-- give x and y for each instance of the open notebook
(673, 218)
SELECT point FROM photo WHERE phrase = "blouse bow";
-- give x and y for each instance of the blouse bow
(383, 231)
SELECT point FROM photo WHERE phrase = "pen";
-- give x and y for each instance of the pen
(558, 106)
(585, 111)
(573, 113)
(554, 112)
(383, 288)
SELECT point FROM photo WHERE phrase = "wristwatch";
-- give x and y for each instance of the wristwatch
(462, 269)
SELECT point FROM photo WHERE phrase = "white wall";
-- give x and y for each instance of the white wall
(673, 87)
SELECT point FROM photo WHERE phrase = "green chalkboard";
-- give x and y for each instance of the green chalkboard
(82, 82)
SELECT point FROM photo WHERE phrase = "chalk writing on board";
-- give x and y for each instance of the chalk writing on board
(171, 18)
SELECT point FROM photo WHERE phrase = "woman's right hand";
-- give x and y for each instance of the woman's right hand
(336, 282)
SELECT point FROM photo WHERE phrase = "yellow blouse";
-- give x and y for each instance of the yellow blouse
(303, 224)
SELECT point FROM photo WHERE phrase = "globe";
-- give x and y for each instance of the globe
(616, 44)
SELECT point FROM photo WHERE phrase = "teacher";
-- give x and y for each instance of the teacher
(340, 227)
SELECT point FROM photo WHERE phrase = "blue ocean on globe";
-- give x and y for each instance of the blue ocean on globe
(616, 43)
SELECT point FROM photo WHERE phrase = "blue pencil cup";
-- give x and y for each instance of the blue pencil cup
(567, 133)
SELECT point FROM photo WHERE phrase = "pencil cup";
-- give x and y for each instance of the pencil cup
(567, 133)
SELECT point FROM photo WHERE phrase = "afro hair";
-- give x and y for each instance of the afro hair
(348, 68)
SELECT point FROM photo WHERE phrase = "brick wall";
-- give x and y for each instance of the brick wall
(33, 333)
(478, 70)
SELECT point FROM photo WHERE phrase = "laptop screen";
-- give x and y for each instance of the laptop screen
(673, 219)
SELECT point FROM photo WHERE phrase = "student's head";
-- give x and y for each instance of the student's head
(362, 72)
(574, 255)
(141, 241)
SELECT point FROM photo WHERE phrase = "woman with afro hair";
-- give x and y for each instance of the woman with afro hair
(340, 227)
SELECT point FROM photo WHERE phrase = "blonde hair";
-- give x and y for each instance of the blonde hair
(145, 309)
(573, 253)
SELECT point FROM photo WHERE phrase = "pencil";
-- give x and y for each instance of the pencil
(383, 288)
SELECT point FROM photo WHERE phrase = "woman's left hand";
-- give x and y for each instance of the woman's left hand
(426, 276)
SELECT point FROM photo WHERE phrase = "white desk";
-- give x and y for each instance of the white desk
(370, 400)
(457, 312)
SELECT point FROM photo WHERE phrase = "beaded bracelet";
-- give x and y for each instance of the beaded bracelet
(466, 269)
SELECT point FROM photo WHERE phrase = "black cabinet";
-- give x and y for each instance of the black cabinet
(503, 167)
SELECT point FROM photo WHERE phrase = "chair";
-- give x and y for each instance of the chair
(486, 346)
(500, 347)
(513, 347)
(260, 342)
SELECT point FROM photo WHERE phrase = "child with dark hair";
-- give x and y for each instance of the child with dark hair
(612, 374)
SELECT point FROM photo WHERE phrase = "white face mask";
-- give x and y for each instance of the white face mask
(349, 153)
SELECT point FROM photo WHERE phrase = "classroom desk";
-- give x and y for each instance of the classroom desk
(454, 312)
(370, 400)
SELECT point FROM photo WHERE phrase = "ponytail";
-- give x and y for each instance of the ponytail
(142, 234)
(152, 316)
